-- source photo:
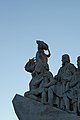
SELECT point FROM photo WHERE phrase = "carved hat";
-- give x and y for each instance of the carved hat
(42, 45)
(66, 57)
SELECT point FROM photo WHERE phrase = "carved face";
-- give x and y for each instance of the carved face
(65, 58)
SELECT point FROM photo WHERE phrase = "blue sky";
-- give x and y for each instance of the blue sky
(57, 22)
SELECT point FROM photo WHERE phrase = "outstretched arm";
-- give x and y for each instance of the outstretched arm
(49, 54)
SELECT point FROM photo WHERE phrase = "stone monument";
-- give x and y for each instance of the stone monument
(50, 97)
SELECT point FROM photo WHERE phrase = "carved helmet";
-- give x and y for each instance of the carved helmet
(42, 45)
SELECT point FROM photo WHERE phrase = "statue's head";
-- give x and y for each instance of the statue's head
(42, 45)
(65, 58)
(78, 62)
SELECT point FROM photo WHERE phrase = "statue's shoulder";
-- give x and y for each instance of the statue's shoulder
(72, 66)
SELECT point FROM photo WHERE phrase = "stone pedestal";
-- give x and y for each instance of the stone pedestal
(29, 109)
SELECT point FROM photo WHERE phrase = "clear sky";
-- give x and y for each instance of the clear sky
(57, 22)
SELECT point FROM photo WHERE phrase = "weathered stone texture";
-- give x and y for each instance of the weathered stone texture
(29, 109)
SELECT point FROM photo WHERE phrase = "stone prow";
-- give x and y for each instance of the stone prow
(29, 109)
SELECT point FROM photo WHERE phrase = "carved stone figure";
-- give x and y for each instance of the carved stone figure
(60, 84)
(41, 57)
(40, 72)
(50, 96)
(74, 91)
